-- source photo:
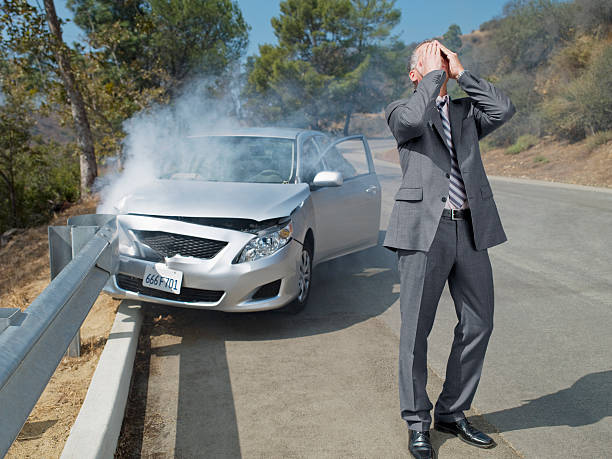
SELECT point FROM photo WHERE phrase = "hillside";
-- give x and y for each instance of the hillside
(556, 161)
(549, 160)
(582, 163)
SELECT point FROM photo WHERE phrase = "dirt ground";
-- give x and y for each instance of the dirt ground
(549, 160)
(24, 273)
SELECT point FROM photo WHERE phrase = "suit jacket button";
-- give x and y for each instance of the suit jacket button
(447, 175)
(443, 199)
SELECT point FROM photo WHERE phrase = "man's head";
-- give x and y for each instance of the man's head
(416, 64)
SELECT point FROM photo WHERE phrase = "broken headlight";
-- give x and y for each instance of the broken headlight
(266, 243)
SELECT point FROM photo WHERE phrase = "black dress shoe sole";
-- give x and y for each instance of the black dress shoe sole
(452, 432)
(433, 454)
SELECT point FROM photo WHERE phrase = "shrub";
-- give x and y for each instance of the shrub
(521, 90)
(581, 106)
(597, 139)
(540, 159)
(54, 180)
(523, 143)
(48, 175)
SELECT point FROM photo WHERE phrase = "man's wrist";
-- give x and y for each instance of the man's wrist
(460, 73)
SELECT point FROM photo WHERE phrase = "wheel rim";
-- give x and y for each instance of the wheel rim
(304, 276)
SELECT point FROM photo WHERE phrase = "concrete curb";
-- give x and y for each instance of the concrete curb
(96, 430)
(567, 186)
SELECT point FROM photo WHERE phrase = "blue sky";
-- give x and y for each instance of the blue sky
(419, 19)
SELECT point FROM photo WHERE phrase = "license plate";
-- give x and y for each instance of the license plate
(162, 278)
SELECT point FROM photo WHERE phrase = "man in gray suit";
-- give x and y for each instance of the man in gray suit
(443, 220)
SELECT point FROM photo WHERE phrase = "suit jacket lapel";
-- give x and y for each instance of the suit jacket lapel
(443, 158)
(455, 110)
(435, 120)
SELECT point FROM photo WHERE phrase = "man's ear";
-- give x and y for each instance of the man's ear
(413, 77)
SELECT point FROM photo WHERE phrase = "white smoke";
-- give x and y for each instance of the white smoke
(159, 134)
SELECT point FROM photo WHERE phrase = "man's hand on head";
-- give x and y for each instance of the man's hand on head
(454, 65)
(430, 59)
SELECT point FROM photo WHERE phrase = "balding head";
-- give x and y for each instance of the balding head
(416, 72)
(414, 58)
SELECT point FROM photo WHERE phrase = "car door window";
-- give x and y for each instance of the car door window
(311, 162)
(348, 157)
(335, 161)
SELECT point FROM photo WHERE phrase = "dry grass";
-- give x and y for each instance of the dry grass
(24, 273)
(555, 161)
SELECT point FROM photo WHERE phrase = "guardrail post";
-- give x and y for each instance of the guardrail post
(80, 236)
(64, 243)
(60, 254)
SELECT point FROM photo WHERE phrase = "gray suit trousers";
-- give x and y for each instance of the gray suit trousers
(423, 275)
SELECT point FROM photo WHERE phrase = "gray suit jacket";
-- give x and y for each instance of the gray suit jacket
(415, 122)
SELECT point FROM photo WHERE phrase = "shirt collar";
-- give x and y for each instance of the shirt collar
(442, 100)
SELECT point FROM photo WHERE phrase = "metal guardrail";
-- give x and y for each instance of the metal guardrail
(83, 255)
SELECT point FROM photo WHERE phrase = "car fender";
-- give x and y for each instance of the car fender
(303, 219)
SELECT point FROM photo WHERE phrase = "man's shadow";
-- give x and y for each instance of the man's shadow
(586, 402)
(345, 292)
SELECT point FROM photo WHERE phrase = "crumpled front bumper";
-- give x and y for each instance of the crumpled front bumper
(238, 281)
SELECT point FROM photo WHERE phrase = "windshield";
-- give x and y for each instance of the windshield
(232, 159)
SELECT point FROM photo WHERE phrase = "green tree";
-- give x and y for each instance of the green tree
(163, 42)
(143, 52)
(15, 126)
(89, 168)
(35, 175)
(323, 67)
(25, 43)
(34, 44)
(452, 38)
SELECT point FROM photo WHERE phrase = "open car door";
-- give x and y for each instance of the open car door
(347, 216)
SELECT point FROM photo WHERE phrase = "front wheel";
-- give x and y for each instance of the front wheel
(304, 277)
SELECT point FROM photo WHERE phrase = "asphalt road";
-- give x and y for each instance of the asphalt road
(547, 380)
(324, 383)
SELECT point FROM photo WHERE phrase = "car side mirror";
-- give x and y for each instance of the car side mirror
(328, 178)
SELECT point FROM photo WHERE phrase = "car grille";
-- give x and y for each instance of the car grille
(170, 244)
(187, 295)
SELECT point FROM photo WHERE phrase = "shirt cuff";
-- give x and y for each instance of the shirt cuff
(460, 73)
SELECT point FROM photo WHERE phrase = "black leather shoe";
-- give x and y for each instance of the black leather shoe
(466, 432)
(419, 445)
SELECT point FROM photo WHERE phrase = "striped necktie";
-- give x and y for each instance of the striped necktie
(456, 191)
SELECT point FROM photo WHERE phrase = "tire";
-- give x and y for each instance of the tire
(304, 275)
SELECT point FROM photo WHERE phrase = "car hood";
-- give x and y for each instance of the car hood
(255, 201)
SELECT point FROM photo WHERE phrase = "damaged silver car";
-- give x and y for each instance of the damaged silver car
(239, 223)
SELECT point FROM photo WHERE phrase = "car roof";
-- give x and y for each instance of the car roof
(278, 132)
